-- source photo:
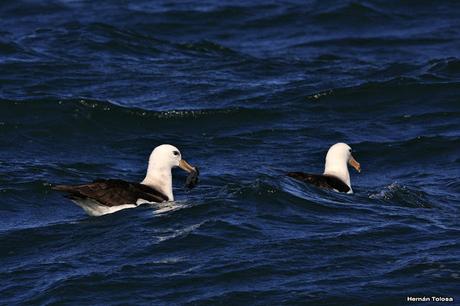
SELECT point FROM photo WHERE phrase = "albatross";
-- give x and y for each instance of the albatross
(336, 175)
(106, 196)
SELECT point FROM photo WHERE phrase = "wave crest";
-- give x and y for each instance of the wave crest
(403, 195)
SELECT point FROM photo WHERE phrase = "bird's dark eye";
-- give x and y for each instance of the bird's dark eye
(349, 150)
(176, 153)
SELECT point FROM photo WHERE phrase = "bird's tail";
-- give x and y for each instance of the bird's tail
(73, 192)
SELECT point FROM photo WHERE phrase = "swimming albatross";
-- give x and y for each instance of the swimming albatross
(336, 175)
(106, 196)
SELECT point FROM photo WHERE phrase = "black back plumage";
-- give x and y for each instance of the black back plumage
(113, 192)
(321, 180)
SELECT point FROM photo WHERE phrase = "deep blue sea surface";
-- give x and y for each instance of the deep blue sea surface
(247, 90)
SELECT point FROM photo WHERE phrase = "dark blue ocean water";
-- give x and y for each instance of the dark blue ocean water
(248, 90)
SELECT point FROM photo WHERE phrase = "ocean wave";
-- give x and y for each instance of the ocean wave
(425, 149)
(86, 41)
(94, 110)
(353, 12)
(7, 48)
(446, 270)
(447, 67)
(402, 195)
(378, 41)
(25, 8)
(383, 93)
(208, 47)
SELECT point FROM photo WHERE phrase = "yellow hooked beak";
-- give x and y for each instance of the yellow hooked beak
(186, 166)
(354, 163)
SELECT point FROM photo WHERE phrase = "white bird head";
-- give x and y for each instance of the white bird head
(162, 159)
(167, 156)
(337, 158)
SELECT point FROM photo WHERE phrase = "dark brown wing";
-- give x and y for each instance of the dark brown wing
(113, 192)
(321, 180)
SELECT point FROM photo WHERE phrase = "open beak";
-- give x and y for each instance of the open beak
(354, 163)
(186, 166)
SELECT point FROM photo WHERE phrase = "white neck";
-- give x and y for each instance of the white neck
(159, 178)
(339, 169)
